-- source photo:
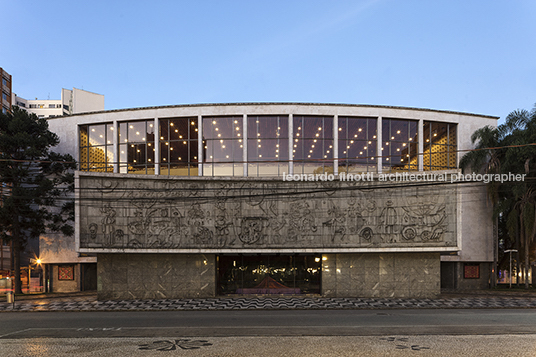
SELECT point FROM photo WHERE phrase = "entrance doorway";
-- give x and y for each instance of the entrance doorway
(269, 274)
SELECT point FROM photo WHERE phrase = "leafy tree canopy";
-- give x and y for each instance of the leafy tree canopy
(36, 182)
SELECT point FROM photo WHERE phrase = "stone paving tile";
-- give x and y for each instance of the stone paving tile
(268, 303)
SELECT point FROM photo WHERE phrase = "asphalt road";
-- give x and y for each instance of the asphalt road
(267, 323)
(247, 333)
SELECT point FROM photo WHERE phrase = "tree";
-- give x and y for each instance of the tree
(487, 160)
(519, 130)
(510, 148)
(38, 183)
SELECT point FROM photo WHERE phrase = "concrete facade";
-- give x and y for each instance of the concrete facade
(378, 238)
(176, 276)
(156, 276)
(211, 215)
(395, 275)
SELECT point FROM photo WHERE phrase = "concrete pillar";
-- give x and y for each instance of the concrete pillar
(200, 145)
(336, 145)
(157, 146)
(379, 145)
(115, 143)
(245, 148)
(290, 144)
(421, 145)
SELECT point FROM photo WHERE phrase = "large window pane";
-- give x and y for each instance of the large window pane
(357, 144)
(313, 144)
(399, 144)
(137, 147)
(96, 148)
(440, 149)
(178, 146)
(223, 143)
(267, 145)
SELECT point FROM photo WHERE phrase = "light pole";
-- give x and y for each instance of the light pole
(511, 251)
(37, 263)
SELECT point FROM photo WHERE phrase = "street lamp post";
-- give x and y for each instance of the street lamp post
(511, 251)
(37, 263)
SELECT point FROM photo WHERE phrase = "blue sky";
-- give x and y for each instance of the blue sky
(470, 56)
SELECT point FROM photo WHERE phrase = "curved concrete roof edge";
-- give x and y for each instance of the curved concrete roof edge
(287, 103)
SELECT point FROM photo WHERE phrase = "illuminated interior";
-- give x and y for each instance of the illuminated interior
(357, 145)
(96, 148)
(269, 147)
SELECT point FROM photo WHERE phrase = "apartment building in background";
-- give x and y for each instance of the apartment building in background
(73, 101)
(6, 90)
(5, 247)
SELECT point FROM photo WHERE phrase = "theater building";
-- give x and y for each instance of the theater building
(278, 198)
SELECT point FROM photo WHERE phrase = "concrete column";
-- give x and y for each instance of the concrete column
(77, 142)
(290, 144)
(245, 139)
(379, 145)
(421, 145)
(200, 145)
(336, 144)
(115, 143)
(156, 146)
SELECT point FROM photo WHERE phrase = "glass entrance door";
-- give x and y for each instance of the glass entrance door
(269, 274)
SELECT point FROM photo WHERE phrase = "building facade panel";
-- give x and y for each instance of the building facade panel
(156, 276)
(396, 275)
(214, 215)
(208, 185)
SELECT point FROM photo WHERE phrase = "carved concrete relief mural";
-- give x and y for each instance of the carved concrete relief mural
(133, 213)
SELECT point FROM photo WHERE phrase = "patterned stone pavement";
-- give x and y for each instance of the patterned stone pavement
(90, 303)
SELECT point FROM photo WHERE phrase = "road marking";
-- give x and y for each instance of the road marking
(12, 333)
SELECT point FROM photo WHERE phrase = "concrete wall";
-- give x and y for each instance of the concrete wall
(84, 101)
(397, 275)
(475, 214)
(123, 213)
(156, 276)
(159, 276)
(65, 286)
(452, 276)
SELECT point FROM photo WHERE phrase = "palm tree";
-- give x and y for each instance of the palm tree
(519, 135)
(486, 159)
(511, 147)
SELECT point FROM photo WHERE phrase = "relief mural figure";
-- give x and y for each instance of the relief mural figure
(108, 224)
(222, 226)
(355, 215)
(424, 220)
(252, 230)
(387, 223)
(200, 234)
(337, 224)
(301, 222)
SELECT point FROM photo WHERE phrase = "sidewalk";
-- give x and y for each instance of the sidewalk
(87, 301)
